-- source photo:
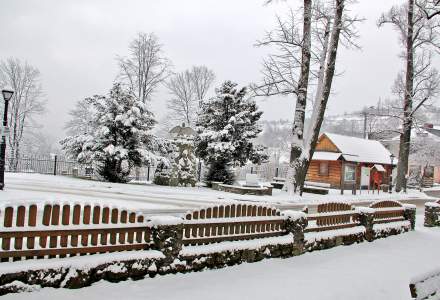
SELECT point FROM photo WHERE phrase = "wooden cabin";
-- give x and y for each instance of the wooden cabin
(344, 161)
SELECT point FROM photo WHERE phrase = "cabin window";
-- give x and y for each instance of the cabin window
(350, 173)
(323, 168)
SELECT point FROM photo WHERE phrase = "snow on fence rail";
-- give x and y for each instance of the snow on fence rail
(231, 223)
(51, 230)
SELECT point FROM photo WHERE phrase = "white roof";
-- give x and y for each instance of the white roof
(380, 168)
(361, 150)
(321, 155)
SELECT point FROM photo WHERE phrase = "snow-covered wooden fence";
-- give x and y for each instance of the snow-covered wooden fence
(426, 286)
(210, 237)
(60, 230)
(388, 212)
(232, 223)
(47, 230)
(332, 216)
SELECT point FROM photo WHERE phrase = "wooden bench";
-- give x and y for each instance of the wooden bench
(59, 230)
(426, 286)
(332, 216)
(278, 182)
(232, 222)
(309, 187)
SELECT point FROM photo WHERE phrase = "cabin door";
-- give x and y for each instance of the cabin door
(365, 177)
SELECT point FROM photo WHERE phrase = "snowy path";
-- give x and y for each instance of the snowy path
(380, 270)
(152, 199)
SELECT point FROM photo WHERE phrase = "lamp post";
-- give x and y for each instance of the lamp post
(7, 95)
(391, 173)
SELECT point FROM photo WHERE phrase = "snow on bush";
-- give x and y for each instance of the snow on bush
(294, 214)
(432, 204)
(329, 234)
(365, 210)
(392, 225)
(236, 245)
(164, 220)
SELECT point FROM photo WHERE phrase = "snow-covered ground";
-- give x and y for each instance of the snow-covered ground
(380, 270)
(159, 199)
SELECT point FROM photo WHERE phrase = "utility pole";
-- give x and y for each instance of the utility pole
(364, 113)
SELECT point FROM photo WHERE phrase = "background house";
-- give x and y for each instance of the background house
(424, 155)
(343, 161)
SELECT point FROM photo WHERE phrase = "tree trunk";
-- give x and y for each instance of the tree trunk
(405, 137)
(297, 148)
(325, 79)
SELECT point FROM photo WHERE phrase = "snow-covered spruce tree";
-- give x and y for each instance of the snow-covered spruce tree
(226, 128)
(122, 139)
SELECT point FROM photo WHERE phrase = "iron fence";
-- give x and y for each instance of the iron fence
(265, 171)
(58, 165)
(62, 166)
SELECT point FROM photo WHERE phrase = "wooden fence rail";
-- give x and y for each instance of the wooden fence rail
(232, 222)
(388, 211)
(59, 230)
(332, 216)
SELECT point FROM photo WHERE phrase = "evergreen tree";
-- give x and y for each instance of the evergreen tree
(121, 139)
(227, 126)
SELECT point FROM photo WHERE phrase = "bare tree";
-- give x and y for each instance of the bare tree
(280, 73)
(81, 118)
(188, 90)
(26, 102)
(430, 8)
(202, 79)
(183, 103)
(145, 68)
(298, 57)
(419, 82)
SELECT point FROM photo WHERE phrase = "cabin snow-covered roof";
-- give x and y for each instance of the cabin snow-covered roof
(322, 155)
(359, 150)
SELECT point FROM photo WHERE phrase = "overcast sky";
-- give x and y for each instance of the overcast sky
(74, 44)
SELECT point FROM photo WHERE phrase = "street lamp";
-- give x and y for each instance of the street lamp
(7, 95)
(391, 173)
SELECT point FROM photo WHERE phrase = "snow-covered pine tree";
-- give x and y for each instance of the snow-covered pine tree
(227, 126)
(122, 139)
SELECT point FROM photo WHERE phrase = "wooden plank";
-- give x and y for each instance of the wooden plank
(105, 215)
(9, 215)
(86, 214)
(76, 214)
(96, 214)
(21, 211)
(32, 215)
(124, 216)
(73, 251)
(46, 214)
(66, 215)
(58, 232)
(55, 215)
